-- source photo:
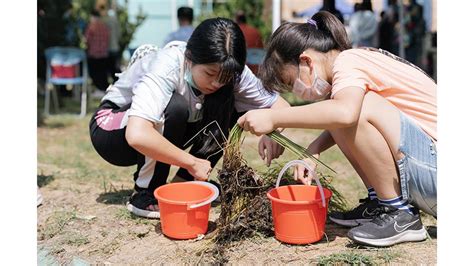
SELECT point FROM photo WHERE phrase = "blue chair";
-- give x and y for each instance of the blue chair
(62, 68)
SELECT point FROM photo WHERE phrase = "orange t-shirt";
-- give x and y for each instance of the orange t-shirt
(406, 87)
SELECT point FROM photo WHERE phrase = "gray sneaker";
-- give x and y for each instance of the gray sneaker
(365, 212)
(390, 227)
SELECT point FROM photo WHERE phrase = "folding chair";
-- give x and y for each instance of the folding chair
(63, 68)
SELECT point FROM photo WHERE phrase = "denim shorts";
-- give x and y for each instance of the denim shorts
(418, 168)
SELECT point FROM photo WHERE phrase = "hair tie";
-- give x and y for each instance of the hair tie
(312, 22)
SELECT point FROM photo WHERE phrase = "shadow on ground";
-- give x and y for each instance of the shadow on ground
(212, 226)
(119, 197)
(334, 230)
(432, 231)
(43, 180)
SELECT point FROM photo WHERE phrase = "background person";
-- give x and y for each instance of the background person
(185, 20)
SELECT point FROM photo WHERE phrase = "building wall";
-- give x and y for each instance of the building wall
(161, 18)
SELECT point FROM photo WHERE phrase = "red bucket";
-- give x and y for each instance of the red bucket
(299, 211)
(184, 208)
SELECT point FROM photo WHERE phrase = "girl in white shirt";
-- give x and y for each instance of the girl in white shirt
(166, 96)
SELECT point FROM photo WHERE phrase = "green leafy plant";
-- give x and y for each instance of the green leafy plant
(128, 28)
(255, 11)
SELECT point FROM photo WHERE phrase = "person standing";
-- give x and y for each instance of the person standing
(110, 19)
(387, 34)
(363, 25)
(330, 6)
(185, 20)
(97, 39)
(415, 28)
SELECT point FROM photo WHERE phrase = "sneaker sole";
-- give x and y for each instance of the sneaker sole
(349, 223)
(407, 236)
(143, 213)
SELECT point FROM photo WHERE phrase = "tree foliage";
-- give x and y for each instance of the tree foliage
(253, 10)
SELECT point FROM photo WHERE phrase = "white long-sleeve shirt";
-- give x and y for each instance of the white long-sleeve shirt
(150, 82)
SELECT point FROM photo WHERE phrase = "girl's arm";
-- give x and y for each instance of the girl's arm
(267, 148)
(142, 136)
(342, 111)
(322, 143)
(319, 145)
(280, 103)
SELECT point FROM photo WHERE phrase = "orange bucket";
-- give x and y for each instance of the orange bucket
(184, 208)
(299, 213)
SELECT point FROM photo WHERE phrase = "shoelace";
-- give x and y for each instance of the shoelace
(362, 203)
(383, 215)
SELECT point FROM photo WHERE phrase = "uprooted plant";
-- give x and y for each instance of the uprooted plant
(245, 209)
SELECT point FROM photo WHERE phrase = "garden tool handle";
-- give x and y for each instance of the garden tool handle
(214, 197)
(306, 165)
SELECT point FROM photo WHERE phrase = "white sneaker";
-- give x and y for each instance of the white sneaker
(144, 204)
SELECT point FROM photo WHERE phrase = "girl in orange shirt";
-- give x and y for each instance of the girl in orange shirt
(378, 108)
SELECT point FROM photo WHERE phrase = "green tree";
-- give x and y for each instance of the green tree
(253, 10)
(128, 28)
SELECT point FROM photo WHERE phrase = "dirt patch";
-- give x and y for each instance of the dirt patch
(72, 223)
(83, 215)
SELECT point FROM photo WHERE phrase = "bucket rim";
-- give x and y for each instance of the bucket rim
(184, 203)
(327, 195)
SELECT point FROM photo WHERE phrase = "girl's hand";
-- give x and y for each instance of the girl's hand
(257, 122)
(269, 149)
(302, 175)
(200, 169)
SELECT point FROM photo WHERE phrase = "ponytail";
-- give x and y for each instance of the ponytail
(329, 23)
(323, 32)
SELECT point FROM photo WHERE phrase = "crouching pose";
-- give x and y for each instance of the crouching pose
(167, 96)
(378, 108)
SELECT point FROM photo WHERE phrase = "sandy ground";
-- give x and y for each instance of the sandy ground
(83, 218)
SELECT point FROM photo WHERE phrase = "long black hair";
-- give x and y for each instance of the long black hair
(323, 34)
(218, 40)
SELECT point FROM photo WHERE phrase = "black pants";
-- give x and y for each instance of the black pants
(107, 131)
(113, 65)
(98, 68)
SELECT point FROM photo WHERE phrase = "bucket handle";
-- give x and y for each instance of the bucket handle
(214, 197)
(306, 165)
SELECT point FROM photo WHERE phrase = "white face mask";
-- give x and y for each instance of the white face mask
(318, 90)
(188, 77)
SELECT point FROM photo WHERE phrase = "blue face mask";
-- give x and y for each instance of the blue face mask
(188, 77)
